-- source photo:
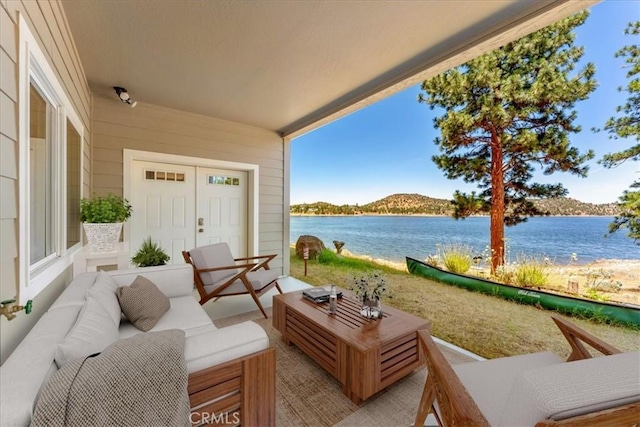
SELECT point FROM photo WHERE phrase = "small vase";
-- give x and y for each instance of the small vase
(371, 309)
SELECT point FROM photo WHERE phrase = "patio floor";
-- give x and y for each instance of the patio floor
(396, 405)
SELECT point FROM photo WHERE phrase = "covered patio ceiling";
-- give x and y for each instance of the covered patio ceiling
(288, 66)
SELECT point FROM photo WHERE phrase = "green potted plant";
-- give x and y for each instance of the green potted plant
(102, 219)
(150, 254)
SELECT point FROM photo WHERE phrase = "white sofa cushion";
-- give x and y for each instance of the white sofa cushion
(30, 365)
(172, 280)
(184, 313)
(498, 375)
(93, 332)
(75, 294)
(222, 345)
(574, 388)
(104, 291)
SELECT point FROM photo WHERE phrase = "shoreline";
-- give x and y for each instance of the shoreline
(626, 272)
(439, 216)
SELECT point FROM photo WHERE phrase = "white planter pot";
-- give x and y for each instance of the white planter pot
(102, 237)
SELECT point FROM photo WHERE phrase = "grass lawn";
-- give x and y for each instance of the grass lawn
(488, 326)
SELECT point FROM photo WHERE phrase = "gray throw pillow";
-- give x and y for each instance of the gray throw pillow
(143, 303)
(137, 381)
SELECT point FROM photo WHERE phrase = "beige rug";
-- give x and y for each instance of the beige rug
(308, 396)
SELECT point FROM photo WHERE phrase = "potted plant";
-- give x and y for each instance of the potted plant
(102, 219)
(150, 254)
(369, 289)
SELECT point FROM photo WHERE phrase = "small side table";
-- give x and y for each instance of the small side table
(85, 261)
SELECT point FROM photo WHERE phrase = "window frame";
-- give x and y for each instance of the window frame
(35, 68)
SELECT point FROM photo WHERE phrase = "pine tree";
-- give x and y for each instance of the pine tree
(507, 114)
(627, 126)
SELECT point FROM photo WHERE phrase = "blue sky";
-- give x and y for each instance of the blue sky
(386, 148)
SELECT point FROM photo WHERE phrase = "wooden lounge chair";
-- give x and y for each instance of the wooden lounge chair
(534, 389)
(217, 273)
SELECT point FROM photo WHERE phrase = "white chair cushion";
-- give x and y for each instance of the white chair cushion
(574, 388)
(211, 256)
(489, 382)
(93, 332)
(258, 279)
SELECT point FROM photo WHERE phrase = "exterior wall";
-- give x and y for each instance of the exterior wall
(148, 127)
(49, 25)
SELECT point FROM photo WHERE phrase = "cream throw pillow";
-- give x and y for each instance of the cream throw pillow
(104, 290)
(143, 303)
(93, 332)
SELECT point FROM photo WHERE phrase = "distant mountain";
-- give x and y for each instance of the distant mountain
(569, 206)
(417, 204)
(409, 204)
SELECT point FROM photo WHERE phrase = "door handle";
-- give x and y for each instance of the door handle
(201, 221)
(200, 230)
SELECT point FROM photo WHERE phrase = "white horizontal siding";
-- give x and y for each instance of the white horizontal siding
(48, 23)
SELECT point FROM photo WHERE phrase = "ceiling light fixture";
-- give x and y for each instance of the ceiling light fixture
(124, 96)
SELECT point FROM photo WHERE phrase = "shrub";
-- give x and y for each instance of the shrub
(456, 257)
(328, 257)
(530, 272)
(150, 254)
(106, 209)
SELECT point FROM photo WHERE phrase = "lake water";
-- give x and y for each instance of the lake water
(394, 237)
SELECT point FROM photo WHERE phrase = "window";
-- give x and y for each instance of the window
(74, 180)
(41, 234)
(50, 177)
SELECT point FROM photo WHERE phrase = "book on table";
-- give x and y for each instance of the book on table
(319, 295)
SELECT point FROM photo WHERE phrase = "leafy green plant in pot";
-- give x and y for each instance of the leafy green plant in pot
(102, 219)
(150, 254)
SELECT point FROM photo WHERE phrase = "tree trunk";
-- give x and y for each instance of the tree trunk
(497, 205)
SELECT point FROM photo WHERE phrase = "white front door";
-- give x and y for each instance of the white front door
(182, 207)
(163, 202)
(222, 209)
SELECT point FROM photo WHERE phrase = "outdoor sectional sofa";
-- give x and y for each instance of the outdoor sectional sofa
(231, 370)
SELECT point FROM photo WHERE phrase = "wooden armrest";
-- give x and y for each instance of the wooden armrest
(264, 264)
(246, 267)
(457, 407)
(576, 336)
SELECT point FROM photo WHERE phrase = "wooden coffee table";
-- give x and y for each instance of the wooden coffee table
(365, 355)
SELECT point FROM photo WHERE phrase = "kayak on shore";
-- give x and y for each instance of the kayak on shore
(626, 314)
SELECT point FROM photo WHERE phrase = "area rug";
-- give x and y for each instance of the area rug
(308, 396)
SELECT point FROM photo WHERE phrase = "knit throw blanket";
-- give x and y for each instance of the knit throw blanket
(138, 381)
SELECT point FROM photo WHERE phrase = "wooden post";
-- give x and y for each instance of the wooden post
(305, 256)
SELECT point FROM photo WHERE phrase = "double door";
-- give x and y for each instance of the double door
(182, 207)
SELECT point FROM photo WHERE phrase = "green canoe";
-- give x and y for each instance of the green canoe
(621, 313)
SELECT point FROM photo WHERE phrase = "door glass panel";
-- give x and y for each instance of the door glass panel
(41, 177)
(73, 185)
